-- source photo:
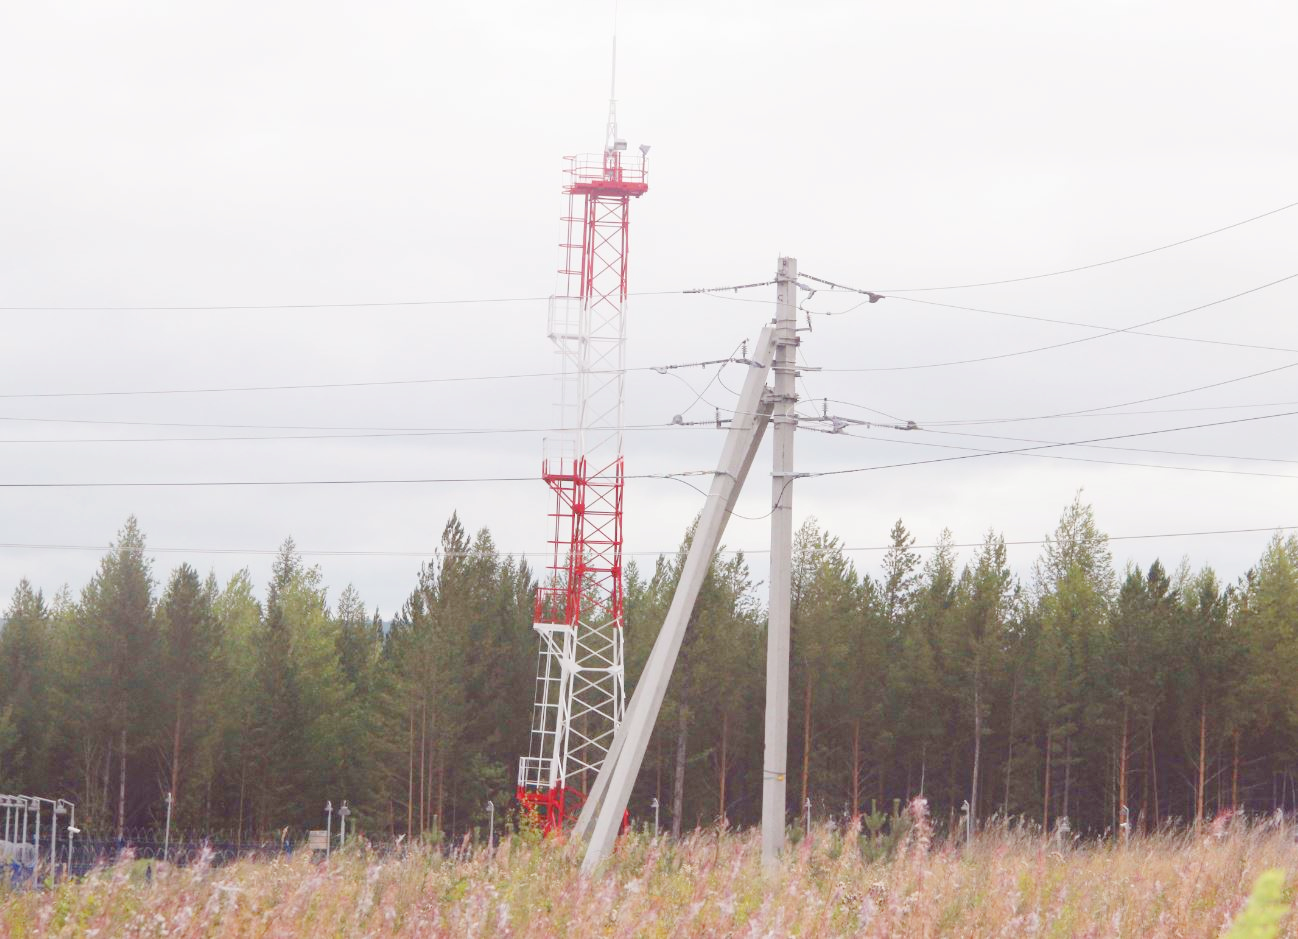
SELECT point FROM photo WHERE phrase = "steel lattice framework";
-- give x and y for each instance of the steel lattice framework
(580, 685)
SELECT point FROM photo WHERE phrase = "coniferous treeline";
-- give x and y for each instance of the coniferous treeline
(1073, 692)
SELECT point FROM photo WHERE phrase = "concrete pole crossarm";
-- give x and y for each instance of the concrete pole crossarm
(604, 810)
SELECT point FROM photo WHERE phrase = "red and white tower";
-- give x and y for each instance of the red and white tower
(580, 685)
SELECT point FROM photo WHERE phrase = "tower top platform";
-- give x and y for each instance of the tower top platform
(611, 173)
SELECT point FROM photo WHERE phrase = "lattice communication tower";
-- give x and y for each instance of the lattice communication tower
(580, 684)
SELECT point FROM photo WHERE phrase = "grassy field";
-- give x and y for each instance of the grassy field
(709, 884)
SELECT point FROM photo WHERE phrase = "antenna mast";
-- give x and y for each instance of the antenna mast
(580, 681)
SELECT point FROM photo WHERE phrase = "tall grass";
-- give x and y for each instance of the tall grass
(1007, 883)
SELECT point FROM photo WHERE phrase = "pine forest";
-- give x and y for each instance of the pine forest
(1149, 696)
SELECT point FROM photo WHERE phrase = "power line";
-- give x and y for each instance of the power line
(1104, 329)
(1203, 456)
(360, 304)
(928, 425)
(1087, 267)
(435, 432)
(271, 552)
(398, 435)
(1213, 407)
(1094, 412)
(195, 484)
(734, 289)
(1061, 345)
(982, 451)
(660, 369)
(1072, 443)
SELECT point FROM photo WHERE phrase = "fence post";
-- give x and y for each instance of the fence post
(166, 835)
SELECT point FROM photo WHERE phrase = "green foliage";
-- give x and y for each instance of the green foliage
(1264, 915)
(944, 675)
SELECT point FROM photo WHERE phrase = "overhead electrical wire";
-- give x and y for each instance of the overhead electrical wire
(306, 552)
(1189, 453)
(983, 451)
(925, 425)
(716, 377)
(977, 454)
(1087, 267)
(274, 483)
(1056, 345)
(1096, 411)
(360, 304)
(28, 395)
(365, 435)
(1059, 322)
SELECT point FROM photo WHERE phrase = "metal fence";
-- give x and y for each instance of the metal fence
(30, 845)
(179, 848)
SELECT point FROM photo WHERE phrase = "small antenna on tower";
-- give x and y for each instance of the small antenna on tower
(610, 134)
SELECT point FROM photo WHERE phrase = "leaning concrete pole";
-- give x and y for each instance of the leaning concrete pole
(774, 764)
(602, 814)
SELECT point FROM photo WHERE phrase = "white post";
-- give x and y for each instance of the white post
(655, 808)
(329, 825)
(166, 836)
(491, 824)
(342, 825)
(602, 814)
(36, 858)
(774, 765)
(53, 839)
(72, 832)
(27, 813)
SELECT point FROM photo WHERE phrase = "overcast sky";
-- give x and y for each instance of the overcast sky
(240, 153)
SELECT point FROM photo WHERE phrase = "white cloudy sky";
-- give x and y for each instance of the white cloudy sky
(205, 154)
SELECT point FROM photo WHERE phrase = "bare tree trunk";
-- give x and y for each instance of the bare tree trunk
(678, 784)
(977, 756)
(658, 772)
(1153, 769)
(108, 778)
(1068, 770)
(1234, 776)
(856, 769)
(423, 764)
(121, 792)
(721, 808)
(441, 788)
(175, 755)
(1144, 793)
(1220, 777)
(1009, 751)
(410, 778)
(1203, 735)
(1045, 802)
(1122, 780)
(88, 769)
(806, 740)
(243, 778)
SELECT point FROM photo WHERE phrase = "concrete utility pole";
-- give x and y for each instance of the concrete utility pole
(774, 765)
(601, 816)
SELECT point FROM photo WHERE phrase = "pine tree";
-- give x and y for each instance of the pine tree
(1074, 584)
(116, 648)
(26, 672)
(190, 639)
